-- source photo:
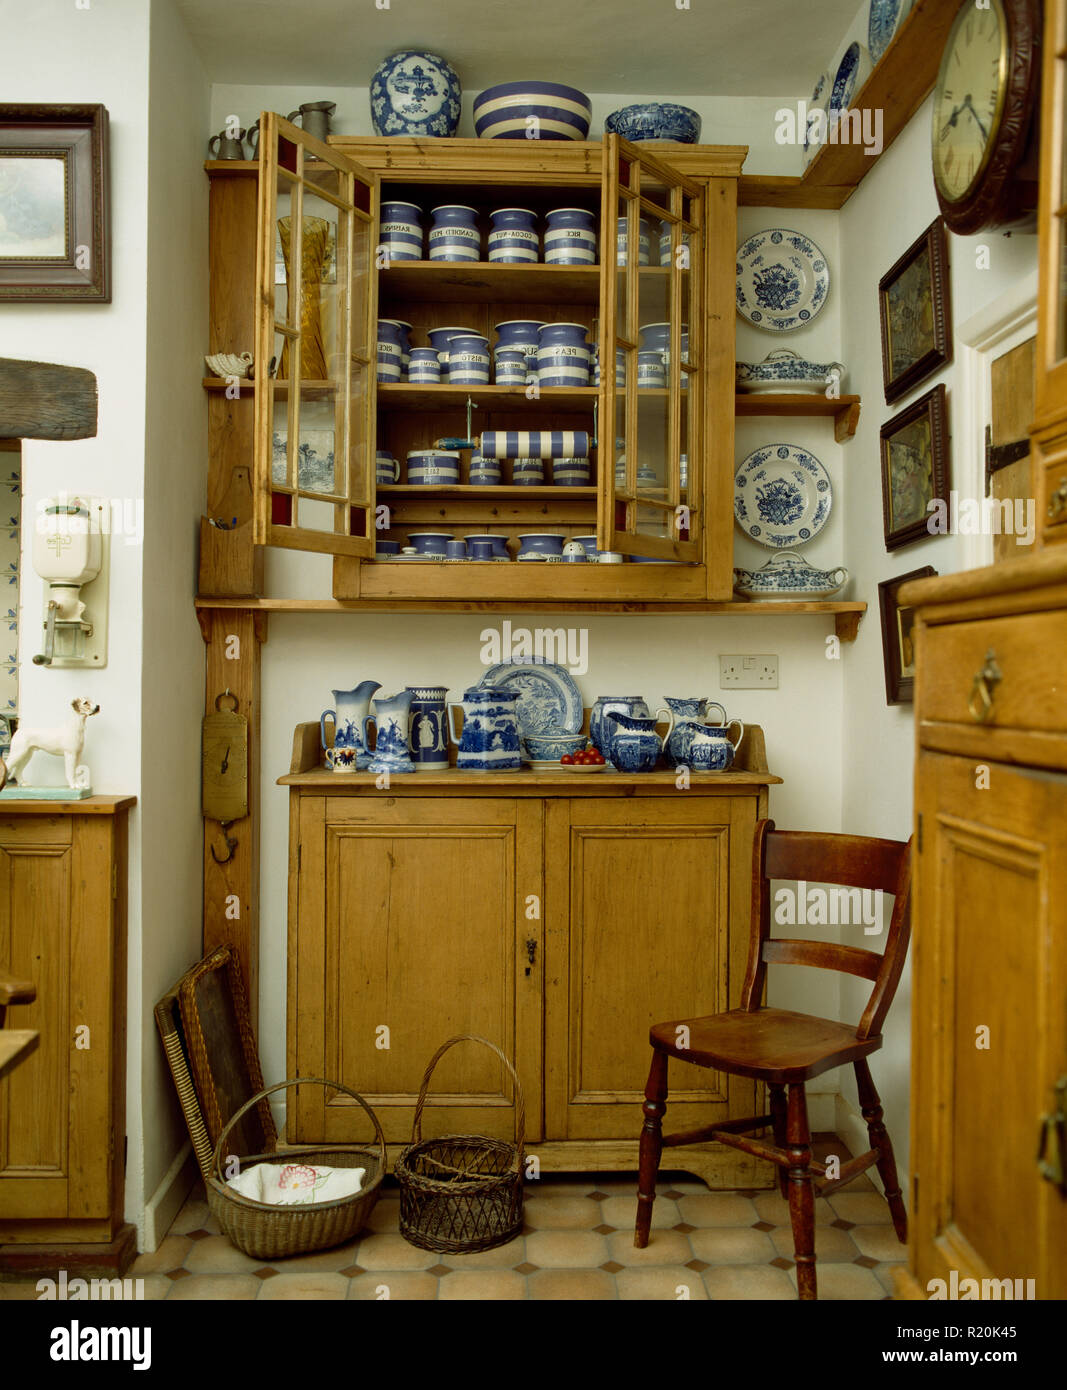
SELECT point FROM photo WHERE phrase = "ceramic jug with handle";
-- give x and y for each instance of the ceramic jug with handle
(489, 741)
(689, 717)
(350, 708)
(392, 720)
(601, 730)
(635, 744)
(712, 749)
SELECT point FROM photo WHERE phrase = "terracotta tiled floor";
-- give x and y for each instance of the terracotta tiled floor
(577, 1244)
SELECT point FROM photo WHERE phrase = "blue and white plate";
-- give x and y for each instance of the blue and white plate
(549, 701)
(820, 101)
(782, 496)
(782, 280)
(883, 21)
(852, 72)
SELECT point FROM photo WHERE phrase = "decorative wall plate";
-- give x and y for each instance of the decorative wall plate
(782, 496)
(782, 279)
(549, 700)
(883, 21)
(852, 72)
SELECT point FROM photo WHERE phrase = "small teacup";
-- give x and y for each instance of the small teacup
(341, 759)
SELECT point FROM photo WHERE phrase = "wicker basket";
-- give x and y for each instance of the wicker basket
(269, 1232)
(461, 1193)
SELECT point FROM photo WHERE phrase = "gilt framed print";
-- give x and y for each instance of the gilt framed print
(914, 299)
(54, 236)
(915, 468)
(898, 638)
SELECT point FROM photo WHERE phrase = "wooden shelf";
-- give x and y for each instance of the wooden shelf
(569, 399)
(489, 492)
(846, 615)
(898, 86)
(482, 281)
(844, 409)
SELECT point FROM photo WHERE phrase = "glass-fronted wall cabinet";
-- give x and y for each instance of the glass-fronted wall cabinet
(592, 395)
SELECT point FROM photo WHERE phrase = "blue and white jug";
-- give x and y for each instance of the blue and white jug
(690, 717)
(349, 711)
(391, 719)
(489, 741)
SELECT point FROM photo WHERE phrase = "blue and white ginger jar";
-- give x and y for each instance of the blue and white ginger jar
(415, 93)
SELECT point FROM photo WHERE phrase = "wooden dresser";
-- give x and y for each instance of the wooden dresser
(62, 1112)
(557, 914)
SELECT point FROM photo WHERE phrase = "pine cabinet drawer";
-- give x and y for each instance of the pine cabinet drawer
(997, 682)
(1050, 453)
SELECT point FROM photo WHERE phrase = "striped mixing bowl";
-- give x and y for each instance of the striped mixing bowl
(507, 111)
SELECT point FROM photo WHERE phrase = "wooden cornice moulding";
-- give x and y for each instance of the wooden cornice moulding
(42, 400)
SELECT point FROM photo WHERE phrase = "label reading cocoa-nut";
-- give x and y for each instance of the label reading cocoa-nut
(495, 238)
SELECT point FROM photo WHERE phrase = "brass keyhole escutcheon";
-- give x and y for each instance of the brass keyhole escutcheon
(982, 690)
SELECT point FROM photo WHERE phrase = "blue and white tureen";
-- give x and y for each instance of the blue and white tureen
(786, 370)
(415, 93)
(788, 575)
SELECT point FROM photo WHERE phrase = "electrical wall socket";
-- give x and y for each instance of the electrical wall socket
(748, 672)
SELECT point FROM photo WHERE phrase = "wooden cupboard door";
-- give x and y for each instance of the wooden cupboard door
(411, 927)
(990, 1021)
(57, 929)
(316, 345)
(643, 890)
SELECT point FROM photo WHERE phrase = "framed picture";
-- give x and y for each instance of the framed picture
(54, 237)
(915, 468)
(914, 298)
(898, 644)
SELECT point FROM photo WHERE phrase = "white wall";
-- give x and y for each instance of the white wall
(172, 678)
(894, 205)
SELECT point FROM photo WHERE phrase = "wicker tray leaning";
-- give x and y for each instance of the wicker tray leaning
(268, 1232)
(461, 1193)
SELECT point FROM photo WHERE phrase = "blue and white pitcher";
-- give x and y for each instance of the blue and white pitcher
(392, 719)
(490, 738)
(350, 708)
(690, 716)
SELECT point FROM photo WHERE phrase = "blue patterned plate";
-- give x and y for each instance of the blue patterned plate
(549, 701)
(782, 496)
(782, 280)
(883, 21)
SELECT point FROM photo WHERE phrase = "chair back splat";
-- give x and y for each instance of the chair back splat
(849, 861)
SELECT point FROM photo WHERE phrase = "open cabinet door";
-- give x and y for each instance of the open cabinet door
(651, 446)
(316, 345)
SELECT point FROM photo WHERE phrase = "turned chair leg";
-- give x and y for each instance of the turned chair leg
(778, 1110)
(871, 1105)
(651, 1145)
(801, 1191)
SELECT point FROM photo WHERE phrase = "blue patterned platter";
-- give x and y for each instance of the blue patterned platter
(883, 21)
(782, 496)
(782, 280)
(549, 701)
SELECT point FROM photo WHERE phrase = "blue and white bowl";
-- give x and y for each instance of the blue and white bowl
(551, 747)
(532, 110)
(540, 543)
(655, 120)
(415, 93)
(430, 542)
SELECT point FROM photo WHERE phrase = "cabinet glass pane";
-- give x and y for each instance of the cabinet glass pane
(1061, 221)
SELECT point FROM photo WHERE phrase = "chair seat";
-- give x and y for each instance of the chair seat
(773, 1045)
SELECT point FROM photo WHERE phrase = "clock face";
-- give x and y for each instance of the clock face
(969, 98)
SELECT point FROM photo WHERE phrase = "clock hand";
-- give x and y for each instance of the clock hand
(952, 121)
(978, 121)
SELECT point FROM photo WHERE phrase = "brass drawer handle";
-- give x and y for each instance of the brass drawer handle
(1057, 502)
(981, 701)
(1052, 1141)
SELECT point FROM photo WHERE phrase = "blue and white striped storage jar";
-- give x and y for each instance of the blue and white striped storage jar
(665, 242)
(484, 472)
(563, 355)
(424, 369)
(439, 338)
(510, 367)
(520, 334)
(570, 472)
(390, 352)
(532, 111)
(454, 235)
(405, 338)
(650, 371)
(400, 231)
(527, 472)
(514, 239)
(433, 467)
(644, 241)
(468, 360)
(570, 237)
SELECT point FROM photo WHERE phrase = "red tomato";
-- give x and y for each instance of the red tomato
(597, 758)
(567, 759)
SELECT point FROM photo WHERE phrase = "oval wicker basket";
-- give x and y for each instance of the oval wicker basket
(461, 1193)
(268, 1232)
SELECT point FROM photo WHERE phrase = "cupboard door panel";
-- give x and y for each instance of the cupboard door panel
(419, 938)
(991, 1021)
(649, 888)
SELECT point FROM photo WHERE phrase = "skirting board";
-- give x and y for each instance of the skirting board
(169, 1198)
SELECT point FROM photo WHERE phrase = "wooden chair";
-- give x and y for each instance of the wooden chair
(785, 1049)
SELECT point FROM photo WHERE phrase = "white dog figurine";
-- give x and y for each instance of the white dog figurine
(65, 741)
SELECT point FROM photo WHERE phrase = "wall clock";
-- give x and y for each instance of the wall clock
(985, 121)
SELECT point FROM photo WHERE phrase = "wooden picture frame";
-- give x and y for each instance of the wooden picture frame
(55, 241)
(915, 306)
(898, 656)
(915, 468)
